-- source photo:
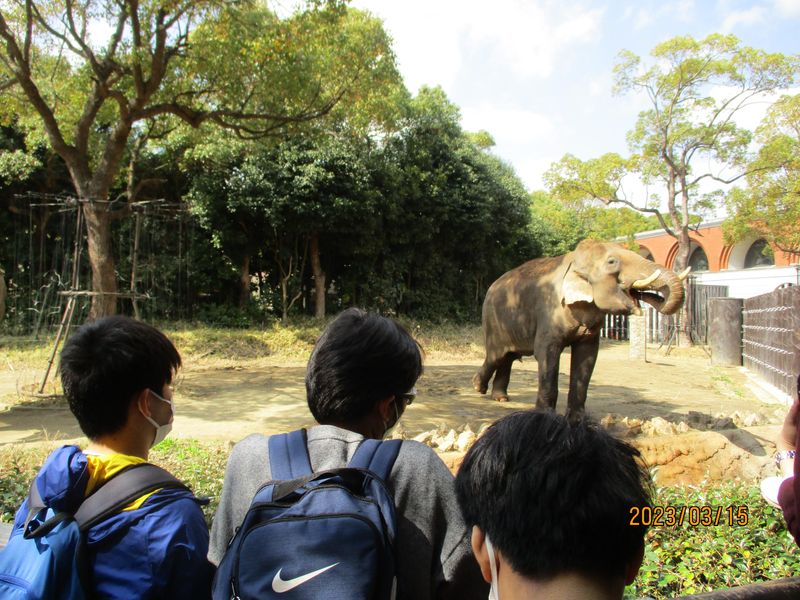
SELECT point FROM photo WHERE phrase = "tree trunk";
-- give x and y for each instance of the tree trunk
(319, 278)
(3, 292)
(101, 258)
(244, 282)
(681, 261)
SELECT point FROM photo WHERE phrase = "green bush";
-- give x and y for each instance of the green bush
(692, 558)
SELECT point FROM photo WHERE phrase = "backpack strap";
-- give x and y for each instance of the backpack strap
(118, 492)
(376, 456)
(122, 489)
(288, 455)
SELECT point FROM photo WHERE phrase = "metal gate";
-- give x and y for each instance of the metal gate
(660, 328)
(771, 324)
(698, 296)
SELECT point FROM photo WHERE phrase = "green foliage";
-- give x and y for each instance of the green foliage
(689, 559)
(558, 227)
(770, 205)
(16, 165)
(201, 465)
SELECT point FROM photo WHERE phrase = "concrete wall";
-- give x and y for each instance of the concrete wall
(747, 283)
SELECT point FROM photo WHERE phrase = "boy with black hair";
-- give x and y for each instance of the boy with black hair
(116, 374)
(359, 381)
(550, 506)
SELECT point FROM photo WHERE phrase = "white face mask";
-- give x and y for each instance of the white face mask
(387, 428)
(161, 430)
(494, 591)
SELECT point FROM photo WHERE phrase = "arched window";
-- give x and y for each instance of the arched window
(698, 260)
(759, 255)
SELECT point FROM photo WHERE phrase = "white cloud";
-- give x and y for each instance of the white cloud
(525, 37)
(788, 8)
(752, 16)
(684, 10)
(507, 126)
(643, 17)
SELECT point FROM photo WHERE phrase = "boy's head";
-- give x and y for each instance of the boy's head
(106, 363)
(359, 360)
(555, 497)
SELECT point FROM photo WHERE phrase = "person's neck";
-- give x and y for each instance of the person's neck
(118, 443)
(366, 427)
(567, 586)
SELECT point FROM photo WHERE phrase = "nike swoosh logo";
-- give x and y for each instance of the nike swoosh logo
(279, 586)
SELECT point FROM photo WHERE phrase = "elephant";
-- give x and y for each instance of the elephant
(547, 304)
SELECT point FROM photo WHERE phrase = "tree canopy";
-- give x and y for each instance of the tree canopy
(769, 207)
(236, 65)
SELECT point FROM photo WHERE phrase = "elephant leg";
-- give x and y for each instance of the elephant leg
(502, 377)
(480, 381)
(584, 357)
(548, 358)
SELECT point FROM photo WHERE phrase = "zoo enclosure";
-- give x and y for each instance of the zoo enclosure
(660, 328)
(771, 337)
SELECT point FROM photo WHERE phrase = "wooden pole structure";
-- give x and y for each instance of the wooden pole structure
(134, 261)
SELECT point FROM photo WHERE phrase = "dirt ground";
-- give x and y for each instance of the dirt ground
(693, 421)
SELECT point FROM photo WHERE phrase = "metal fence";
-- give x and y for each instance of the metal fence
(660, 328)
(771, 337)
(697, 297)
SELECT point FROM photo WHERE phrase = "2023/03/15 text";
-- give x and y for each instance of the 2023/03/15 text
(693, 515)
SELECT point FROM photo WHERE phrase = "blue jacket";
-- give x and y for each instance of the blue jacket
(155, 551)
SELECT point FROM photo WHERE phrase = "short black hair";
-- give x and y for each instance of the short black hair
(360, 359)
(555, 496)
(106, 363)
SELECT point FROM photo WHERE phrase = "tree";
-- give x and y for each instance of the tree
(454, 215)
(769, 206)
(688, 135)
(231, 64)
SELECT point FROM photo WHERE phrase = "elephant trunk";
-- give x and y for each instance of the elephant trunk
(670, 286)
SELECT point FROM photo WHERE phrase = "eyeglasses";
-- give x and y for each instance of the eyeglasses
(409, 396)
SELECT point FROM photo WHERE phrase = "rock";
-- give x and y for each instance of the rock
(658, 426)
(446, 443)
(425, 437)
(750, 420)
(608, 421)
(483, 429)
(398, 432)
(697, 419)
(723, 423)
(465, 439)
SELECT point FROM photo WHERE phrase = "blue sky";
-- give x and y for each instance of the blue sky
(538, 74)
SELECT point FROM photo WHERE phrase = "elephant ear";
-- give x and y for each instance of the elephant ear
(575, 288)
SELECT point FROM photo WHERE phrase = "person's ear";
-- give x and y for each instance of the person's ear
(478, 541)
(632, 570)
(385, 409)
(141, 403)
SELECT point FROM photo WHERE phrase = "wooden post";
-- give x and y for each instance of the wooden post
(134, 261)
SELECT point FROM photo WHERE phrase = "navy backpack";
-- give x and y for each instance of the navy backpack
(315, 535)
(46, 560)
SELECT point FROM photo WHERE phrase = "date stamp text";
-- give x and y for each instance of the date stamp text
(692, 515)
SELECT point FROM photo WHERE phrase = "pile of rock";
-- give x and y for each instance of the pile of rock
(444, 438)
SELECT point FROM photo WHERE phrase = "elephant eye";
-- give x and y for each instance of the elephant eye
(613, 261)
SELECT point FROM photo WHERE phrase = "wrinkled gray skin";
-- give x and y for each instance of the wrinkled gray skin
(547, 304)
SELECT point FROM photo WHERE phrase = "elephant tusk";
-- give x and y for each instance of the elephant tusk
(685, 273)
(643, 283)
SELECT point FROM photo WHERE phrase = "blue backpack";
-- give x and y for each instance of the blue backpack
(315, 535)
(46, 560)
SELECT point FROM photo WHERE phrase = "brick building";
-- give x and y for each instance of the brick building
(748, 268)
